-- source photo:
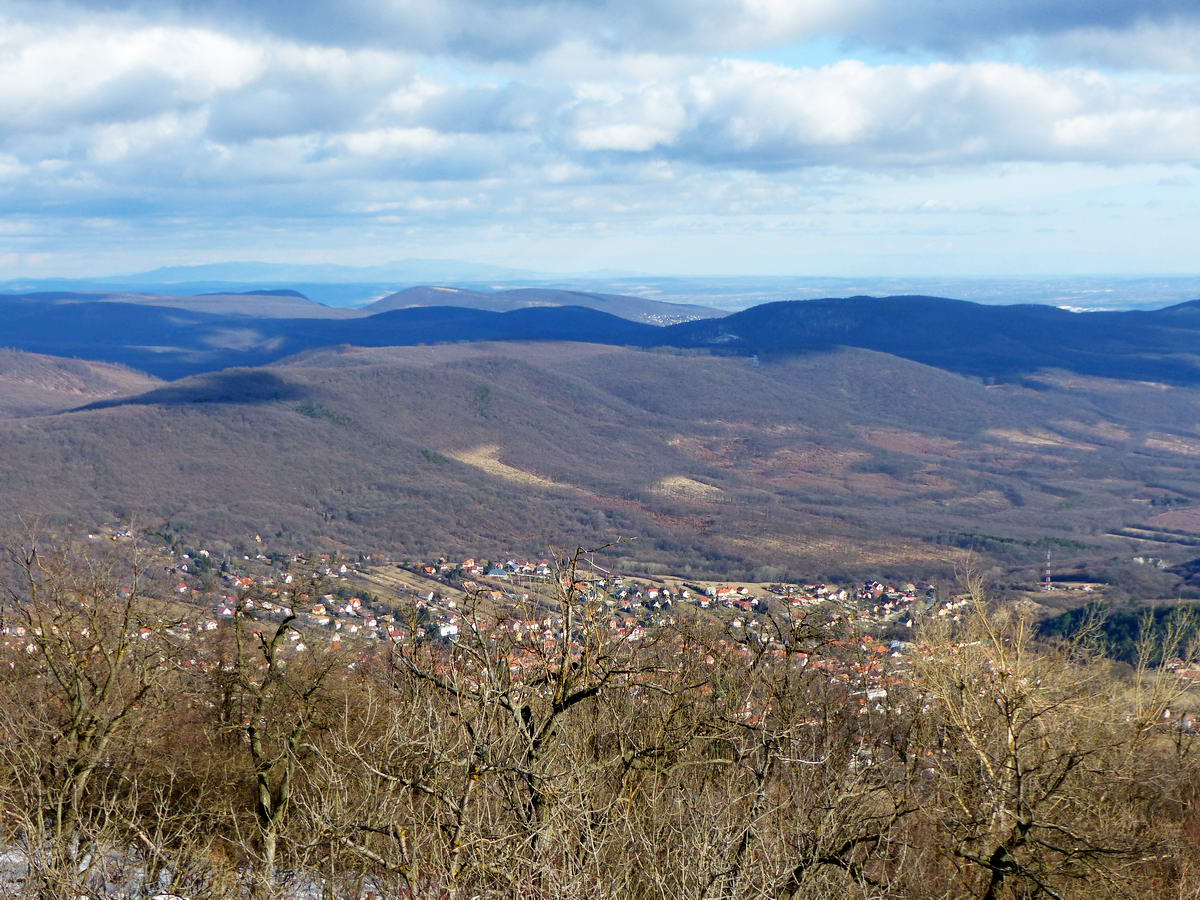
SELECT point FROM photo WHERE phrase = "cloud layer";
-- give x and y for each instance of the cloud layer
(519, 29)
(394, 112)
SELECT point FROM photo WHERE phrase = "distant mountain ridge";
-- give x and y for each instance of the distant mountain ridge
(399, 270)
(265, 303)
(966, 337)
(288, 303)
(265, 292)
(638, 309)
(1006, 342)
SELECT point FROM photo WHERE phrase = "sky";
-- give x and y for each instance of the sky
(768, 137)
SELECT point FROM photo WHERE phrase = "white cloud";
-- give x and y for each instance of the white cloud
(51, 80)
(161, 135)
(396, 113)
(11, 167)
(17, 227)
(637, 120)
(392, 142)
(523, 29)
(756, 115)
(393, 124)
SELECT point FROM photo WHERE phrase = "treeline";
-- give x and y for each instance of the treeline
(1130, 634)
(141, 753)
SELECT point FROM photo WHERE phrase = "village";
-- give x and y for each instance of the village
(511, 625)
(364, 603)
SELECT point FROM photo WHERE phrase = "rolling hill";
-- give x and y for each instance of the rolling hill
(255, 304)
(174, 342)
(830, 462)
(965, 337)
(816, 436)
(992, 342)
(637, 309)
(291, 304)
(33, 384)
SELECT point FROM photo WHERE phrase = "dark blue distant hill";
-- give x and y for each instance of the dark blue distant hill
(1189, 308)
(637, 309)
(441, 324)
(1001, 342)
(170, 342)
(281, 292)
(968, 338)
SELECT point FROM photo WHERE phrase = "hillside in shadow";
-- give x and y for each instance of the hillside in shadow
(1006, 343)
(232, 386)
(968, 338)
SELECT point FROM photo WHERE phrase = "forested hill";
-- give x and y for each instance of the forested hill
(171, 343)
(636, 309)
(1006, 342)
(969, 338)
(847, 460)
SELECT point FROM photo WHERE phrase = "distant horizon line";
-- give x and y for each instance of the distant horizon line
(596, 275)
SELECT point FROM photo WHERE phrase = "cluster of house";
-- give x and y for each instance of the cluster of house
(1178, 720)
(317, 590)
(508, 570)
(26, 638)
(883, 604)
(635, 605)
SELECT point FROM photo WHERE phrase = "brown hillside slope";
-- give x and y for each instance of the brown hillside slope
(831, 462)
(34, 384)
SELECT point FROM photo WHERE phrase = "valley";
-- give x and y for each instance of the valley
(832, 463)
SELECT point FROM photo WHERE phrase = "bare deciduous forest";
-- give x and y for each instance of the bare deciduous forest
(142, 753)
(821, 464)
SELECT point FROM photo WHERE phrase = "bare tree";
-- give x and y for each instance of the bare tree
(87, 652)
(1034, 747)
(274, 702)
